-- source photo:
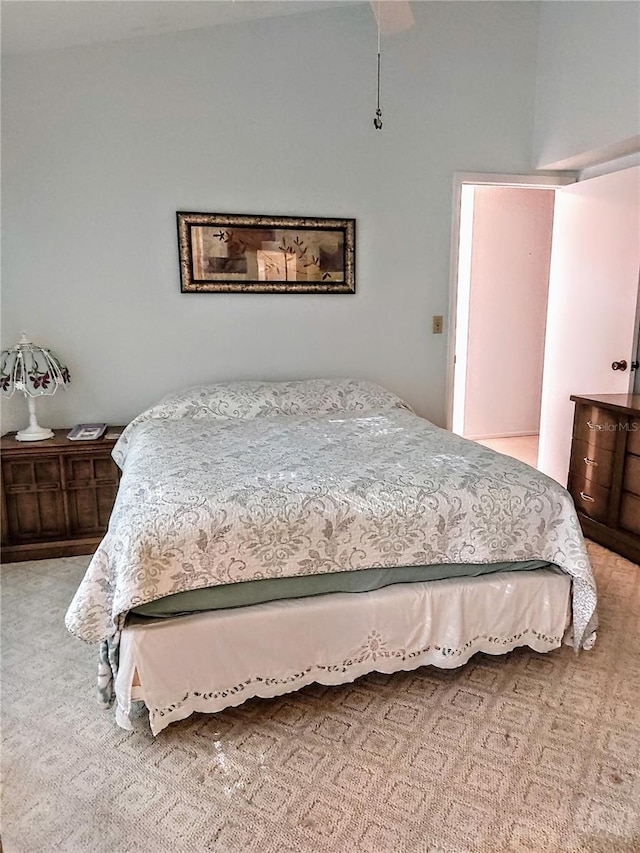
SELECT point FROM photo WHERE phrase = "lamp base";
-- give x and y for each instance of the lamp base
(32, 433)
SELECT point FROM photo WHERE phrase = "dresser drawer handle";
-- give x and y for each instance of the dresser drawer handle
(588, 461)
(586, 497)
(591, 425)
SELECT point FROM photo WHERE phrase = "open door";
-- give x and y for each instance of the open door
(592, 320)
(464, 187)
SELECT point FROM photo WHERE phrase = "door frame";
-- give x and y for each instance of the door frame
(543, 181)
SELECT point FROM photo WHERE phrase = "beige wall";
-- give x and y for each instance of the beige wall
(508, 303)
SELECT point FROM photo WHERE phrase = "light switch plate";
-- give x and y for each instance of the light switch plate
(437, 324)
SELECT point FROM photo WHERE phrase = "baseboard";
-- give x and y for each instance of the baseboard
(500, 435)
(49, 550)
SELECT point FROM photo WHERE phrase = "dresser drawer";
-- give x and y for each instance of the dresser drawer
(631, 479)
(591, 464)
(606, 487)
(633, 438)
(590, 499)
(630, 512)
(597, 427)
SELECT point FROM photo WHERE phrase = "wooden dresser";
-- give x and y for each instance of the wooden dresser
(604, 473)
(57, 495)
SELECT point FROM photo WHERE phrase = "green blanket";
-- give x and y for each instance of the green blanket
(272, 589)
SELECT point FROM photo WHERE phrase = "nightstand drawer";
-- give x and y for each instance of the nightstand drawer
(597, 427)
(31, 475)
(91, 485)
(592, 464)
(83, 472)
(35, 515)
(590, 499)
(33, 498)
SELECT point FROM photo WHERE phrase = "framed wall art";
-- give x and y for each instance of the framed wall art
(237, 253)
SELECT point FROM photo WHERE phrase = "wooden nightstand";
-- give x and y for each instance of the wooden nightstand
(57, 495)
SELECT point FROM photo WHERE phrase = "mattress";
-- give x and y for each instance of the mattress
(276, 589)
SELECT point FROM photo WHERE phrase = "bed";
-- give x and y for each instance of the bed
(268, 535)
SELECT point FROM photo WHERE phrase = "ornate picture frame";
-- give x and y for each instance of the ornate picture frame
(241, 253)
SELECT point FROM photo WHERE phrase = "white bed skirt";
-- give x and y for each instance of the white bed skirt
(210, 661)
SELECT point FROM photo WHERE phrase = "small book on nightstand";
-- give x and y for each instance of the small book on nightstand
(87, 432)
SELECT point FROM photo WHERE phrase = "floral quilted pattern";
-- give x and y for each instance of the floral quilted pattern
(233, 483)
(247, 400)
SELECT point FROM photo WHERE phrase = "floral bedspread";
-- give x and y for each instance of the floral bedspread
(237, 482)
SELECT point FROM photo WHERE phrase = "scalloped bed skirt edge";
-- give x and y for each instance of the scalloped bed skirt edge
(206, 662)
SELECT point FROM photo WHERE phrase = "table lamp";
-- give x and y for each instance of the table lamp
(35, 371)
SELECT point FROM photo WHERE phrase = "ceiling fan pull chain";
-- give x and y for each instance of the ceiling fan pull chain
(377, 122)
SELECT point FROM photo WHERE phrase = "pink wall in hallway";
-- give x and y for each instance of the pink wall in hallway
(508, 305)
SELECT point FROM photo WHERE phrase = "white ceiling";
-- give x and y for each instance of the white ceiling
(33, 25)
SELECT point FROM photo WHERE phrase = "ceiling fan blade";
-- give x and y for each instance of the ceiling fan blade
(393, 16)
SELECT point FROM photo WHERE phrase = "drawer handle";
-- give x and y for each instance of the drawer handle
(588, 461)
(586, 497)
(591, 425)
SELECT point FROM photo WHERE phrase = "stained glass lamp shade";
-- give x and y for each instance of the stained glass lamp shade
(35, 371)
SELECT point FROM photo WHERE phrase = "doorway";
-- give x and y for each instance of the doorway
(503, 259)
(543, 305)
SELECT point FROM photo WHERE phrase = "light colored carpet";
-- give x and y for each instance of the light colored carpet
(522, 447)
(523, 753)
